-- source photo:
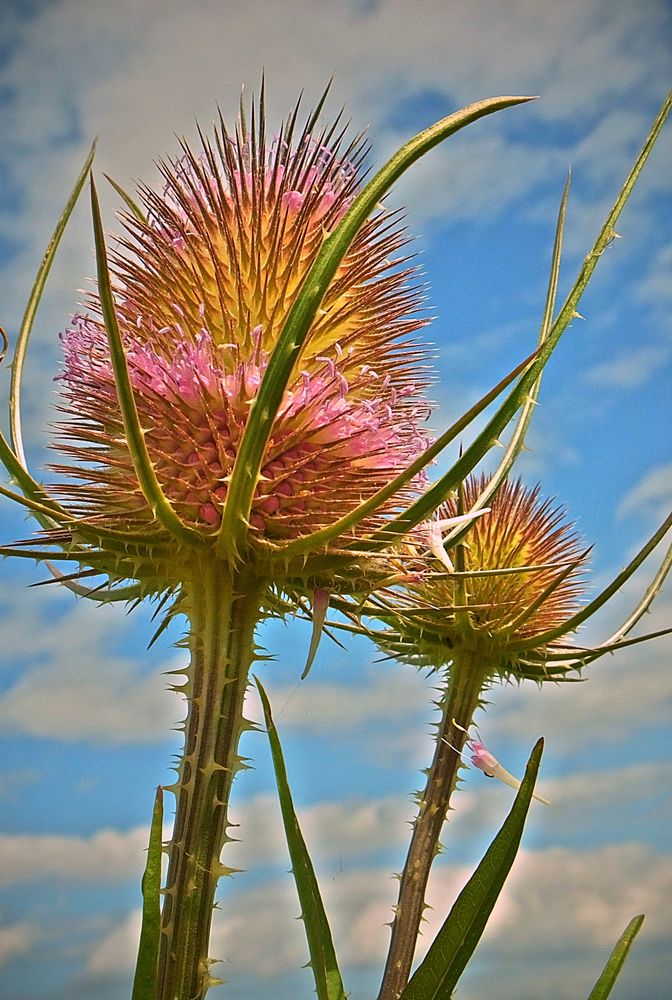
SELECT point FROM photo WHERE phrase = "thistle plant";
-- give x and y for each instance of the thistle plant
(503, 611)
(243, 400)
(242, 431)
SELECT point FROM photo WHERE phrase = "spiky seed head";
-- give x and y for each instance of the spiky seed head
(202, 289)
(439, 611)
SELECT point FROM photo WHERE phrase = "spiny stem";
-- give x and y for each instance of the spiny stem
(223, 612)
(462, 698)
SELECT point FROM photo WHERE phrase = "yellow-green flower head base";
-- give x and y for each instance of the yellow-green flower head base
(202, 289)
(520, 574)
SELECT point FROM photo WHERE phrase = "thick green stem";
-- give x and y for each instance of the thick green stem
(462, 698)
(223, 611)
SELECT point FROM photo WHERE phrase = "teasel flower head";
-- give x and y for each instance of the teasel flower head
(518, 574)
(202, 283)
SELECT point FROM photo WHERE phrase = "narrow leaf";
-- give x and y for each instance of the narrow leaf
(144, 982)
(135, 438)
(605, 595)
(131, 204)
(422, 508)
(328, 982)
(31, 310)
(303, 311)
(12, 454)
(515, 445)
(436, 977)
(610, 973)
(349, 521)
(644, 604)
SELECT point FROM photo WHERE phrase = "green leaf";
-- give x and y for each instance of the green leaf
(311, 542)
(653, 589)
(131, 204)
(12, 453)
(31, 309)
(135, 437)
(328, 982)
(517, 442)
(145, 980)
(301, 315)
(610, 973)
(423, 508)
(436, 977)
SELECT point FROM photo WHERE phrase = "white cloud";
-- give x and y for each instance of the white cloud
(654, 289)
(351, 829)
(72, 73)
(105, 69)
(652, 494)
(573, 903)
(631, 370)
(107, 856)
(601, 890)
(15, 939)
(118, 949)
(339, 834)
(620, 694)
(74, 686)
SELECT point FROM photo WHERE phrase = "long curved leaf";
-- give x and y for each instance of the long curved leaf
(144, 982)
(11, 452)
(517, 442)
(453, 946)
(135, 438)
(301, 315)
(605, 983)
(423, 508)
(349, 521)
(31, 310)
(586, 612)
(328, 982)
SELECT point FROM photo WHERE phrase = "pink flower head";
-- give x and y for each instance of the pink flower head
(203, 288)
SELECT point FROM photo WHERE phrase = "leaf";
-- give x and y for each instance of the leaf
(328, 982)
(310, 542)
(135, 437)
(11, 453)
(32, 306)
(611, 971)
(145, 980)
(302, 313)
(586, 612)
(453, 946)
(131, 204)
(423, 508)
(517, 441)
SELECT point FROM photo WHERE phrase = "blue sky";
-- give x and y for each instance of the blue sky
(84, 717)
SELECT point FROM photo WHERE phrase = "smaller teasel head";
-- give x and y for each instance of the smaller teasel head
(515, 578)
